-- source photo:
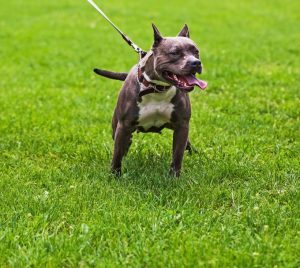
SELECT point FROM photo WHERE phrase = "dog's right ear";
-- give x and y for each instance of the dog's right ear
(157, 36)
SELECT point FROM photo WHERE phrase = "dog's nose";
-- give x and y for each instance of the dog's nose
(196, 63)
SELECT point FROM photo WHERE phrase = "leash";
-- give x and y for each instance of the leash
(137, 49)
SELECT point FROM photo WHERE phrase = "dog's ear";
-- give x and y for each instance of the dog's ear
(157, 36)
(185, 32)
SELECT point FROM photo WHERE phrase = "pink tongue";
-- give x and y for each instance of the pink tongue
(193, 81)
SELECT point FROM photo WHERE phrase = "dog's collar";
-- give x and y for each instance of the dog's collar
(150, 86)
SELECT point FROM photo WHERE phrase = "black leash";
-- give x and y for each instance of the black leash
(137, 49)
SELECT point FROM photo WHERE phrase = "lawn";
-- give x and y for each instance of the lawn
(237, 203)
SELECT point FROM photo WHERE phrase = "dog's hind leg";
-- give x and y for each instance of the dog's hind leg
(114, 124)
(190, 148)
(122, 139)
(180, 138)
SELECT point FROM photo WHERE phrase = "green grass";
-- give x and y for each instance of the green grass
(237, 201)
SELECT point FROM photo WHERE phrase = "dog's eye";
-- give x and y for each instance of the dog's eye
(174, 53)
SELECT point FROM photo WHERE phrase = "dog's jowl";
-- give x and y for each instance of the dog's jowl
(155, 95)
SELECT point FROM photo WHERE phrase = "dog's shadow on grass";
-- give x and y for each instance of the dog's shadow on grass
(147, 175)
(150, 170)
(146, 168)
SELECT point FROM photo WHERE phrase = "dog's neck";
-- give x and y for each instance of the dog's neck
(148, 70)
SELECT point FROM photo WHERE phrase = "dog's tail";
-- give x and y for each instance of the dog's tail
(111, 75)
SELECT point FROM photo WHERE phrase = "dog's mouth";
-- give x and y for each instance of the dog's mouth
(186, 82)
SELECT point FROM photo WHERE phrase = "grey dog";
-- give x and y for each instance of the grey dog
(155, 96)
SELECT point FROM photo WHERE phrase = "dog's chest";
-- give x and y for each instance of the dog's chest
(156, 109)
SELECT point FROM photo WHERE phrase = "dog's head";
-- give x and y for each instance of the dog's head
(177, 60)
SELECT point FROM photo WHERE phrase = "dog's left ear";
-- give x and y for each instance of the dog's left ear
(185, 32)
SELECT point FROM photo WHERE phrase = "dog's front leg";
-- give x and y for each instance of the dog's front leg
(123, 137)
(180, 137)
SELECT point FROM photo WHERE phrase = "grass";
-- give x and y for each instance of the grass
(237, 201)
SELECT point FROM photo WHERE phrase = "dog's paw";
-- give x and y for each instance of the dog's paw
(174, 173)
(116, 172)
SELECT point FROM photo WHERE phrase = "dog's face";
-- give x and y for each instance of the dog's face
(177, 60)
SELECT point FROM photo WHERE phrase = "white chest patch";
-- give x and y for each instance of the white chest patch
(156, 109)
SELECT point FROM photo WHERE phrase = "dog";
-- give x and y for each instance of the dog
(155, 96)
